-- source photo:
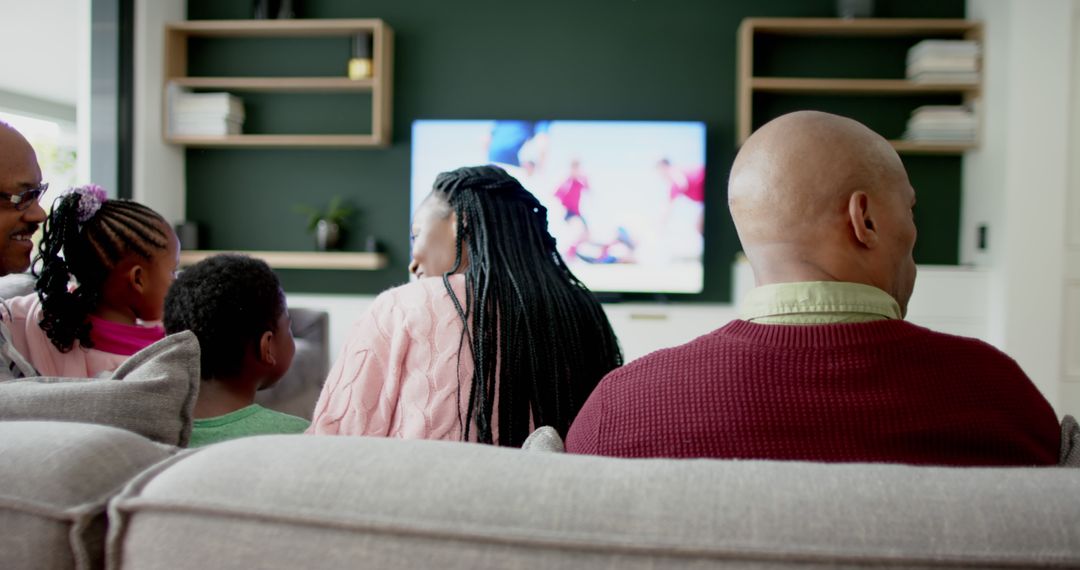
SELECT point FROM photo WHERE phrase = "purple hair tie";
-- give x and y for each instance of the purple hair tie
(91, 197)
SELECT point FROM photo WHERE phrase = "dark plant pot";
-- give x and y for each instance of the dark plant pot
(264, 9)
(286, 10)
(327, 236)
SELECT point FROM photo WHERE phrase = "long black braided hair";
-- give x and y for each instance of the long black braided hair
(537, 334)
(87, 251)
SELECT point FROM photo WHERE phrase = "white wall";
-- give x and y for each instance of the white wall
(1018, 179)
(82, 98)
(1070, 387)
(158, 177)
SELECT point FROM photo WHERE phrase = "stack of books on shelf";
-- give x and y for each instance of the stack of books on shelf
(206, 114)
(942, 124)
(944, 61)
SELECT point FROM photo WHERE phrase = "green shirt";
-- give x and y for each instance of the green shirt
(252, 420)
(818, 303)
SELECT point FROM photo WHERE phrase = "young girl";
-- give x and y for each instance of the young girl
(105, 266)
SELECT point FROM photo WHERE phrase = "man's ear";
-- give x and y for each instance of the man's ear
(266, 348)
(862, 221)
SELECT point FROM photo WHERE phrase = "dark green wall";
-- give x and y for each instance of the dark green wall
(562, 59)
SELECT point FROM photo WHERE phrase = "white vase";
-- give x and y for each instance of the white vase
(854, 8)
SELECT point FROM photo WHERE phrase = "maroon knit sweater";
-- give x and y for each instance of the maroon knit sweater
(885, 391)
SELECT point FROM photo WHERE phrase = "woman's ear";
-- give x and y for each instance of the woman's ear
(266, 349)
(862, 221)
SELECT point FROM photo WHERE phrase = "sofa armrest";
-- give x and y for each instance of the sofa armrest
(1070, 442)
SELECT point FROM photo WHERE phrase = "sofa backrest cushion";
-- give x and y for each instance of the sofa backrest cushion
(152, 393)
(335, 502)
(55, 481)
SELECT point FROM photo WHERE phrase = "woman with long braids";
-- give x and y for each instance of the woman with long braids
(103, 268)
(495, 336)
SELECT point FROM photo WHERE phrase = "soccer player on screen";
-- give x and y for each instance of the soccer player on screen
(686, 183)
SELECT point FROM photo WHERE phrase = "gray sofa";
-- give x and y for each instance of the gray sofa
(339, 502)
(93, 473)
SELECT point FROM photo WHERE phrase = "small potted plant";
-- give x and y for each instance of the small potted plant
(328, 224)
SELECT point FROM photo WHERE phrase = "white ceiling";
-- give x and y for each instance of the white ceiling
(39, 40)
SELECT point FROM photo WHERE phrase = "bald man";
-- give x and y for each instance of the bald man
(822, 366)
(20, 216)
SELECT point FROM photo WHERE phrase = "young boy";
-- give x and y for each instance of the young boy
(235, 306)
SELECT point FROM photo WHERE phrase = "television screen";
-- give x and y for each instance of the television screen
(625, 199)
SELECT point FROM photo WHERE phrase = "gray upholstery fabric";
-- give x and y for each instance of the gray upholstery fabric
(16, 285)
(298, 390)
(152, 393)
(55, 481)
(1070, 442)
(337, 502)
(545, 438)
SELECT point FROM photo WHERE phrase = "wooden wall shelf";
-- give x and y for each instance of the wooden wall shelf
(862, 27)
(274, 28)
(748, 84)
(271, 141)
(799, 85)
(921, 147)
(284, 84)
(380, 85)
(357, 261)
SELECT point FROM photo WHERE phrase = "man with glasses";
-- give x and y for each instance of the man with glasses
(20, 216)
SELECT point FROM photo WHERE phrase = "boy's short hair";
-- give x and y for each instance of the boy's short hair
(228, 301)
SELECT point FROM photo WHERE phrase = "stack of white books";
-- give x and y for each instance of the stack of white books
(942, 124)
(944, 61)
(206, 114)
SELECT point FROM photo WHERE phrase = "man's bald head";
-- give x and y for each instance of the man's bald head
(14, 146)
(818, 197)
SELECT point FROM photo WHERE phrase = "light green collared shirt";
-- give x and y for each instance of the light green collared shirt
(818, 303)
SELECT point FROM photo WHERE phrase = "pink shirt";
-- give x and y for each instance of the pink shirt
(113, 342)
(400, 370)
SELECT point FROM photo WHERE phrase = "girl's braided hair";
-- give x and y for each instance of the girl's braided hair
(85, 237)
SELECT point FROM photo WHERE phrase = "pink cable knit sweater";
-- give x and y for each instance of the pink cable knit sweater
(399, 372)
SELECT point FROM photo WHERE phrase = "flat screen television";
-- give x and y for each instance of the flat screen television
(625, 199)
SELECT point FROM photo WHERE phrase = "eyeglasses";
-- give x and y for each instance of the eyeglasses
(23, 200)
